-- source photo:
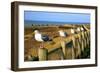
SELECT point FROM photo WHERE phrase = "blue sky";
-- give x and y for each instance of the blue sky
(55, 17)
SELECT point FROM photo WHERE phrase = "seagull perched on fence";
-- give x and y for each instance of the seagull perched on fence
(41, 37)
(82, 29)
(72, 31)
(62, 33)
(78, 29)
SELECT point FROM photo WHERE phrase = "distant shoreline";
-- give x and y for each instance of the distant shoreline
(46, 23)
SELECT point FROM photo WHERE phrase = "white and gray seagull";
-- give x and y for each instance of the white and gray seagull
(82, 29)
(72, 31)
(62, 33)
(78, 29)
(41, 37)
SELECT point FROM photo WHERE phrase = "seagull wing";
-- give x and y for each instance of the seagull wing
(65, 34)
(45, 38)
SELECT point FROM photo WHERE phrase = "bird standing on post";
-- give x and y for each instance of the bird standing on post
(62, 34)
(82, 29)
(63, 44)
(78, 29)
(41, 38)
(72, 31)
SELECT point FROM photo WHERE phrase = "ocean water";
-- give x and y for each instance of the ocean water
(29, 23)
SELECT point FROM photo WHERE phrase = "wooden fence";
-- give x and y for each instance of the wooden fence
(70, 47)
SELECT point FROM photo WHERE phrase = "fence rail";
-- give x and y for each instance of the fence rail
(70, 47)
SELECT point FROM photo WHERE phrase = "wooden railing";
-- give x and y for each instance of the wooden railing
(70, 47)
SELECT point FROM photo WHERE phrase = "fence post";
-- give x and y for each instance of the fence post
(42, 54)
(68, 52)
(79, 46)
(88, 45)
(81, 41)
(73, 48)
(63, 45)
(87, 38)
(85, 34)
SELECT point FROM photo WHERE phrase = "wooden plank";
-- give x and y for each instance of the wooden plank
(42, 54)
(63, 45)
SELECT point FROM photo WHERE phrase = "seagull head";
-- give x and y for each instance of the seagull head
(36, 31)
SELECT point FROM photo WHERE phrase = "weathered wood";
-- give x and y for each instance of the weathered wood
(63, 45)
(73, 48)
(68, 51)
(73, 52)
(78, 48)
(88, 44)
(79, 42)
(42, 54)
(56, 55)
(85, 40)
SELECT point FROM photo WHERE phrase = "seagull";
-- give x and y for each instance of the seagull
(62, 33)
(78, 29)
(82, 29)
(72, 31)
(41, 38)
